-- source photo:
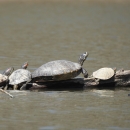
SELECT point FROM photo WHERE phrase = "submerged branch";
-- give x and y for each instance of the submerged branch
(6, 92)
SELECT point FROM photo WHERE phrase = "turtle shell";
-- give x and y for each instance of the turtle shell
(3, 78)
(19, 76)
(57, 70)
(103, 73)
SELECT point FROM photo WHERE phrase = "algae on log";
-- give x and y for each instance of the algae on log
(121, 80)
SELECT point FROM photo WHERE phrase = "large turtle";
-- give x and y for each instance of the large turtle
(104, 73)
(60, 70)
(20, 77)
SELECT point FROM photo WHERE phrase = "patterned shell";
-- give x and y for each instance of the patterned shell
(58, 70)
(103, 73)
(3, 78)
(19, 76)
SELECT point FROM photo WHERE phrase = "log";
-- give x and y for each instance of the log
(121, 80)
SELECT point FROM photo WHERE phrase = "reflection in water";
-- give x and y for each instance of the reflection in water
(46, 31)
(17, 93)
(48, 128)
(104, 93)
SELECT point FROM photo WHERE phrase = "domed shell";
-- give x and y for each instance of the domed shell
(103, 73)
(58, 70)
(19, 76)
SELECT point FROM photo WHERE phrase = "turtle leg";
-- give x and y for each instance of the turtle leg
(15, 87)
(7, 83)
(97, 81)
(85, 73)
(6, 87)
(23, 87)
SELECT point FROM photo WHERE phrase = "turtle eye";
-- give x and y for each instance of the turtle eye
(85, 55)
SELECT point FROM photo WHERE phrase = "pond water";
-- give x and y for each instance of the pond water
(39, 32)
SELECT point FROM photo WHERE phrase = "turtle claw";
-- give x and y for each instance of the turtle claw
(97, 81)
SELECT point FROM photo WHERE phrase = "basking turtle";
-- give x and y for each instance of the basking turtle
(60, 70)
(20, 77)
(4, 77)
(4, 81)
(104, 73)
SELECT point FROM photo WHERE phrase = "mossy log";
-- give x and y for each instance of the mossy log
(121, 80)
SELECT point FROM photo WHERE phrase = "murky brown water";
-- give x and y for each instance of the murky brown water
(41, 32)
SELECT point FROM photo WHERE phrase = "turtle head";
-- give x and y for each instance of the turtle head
(82, 58)
(25, 65)
(8, 71)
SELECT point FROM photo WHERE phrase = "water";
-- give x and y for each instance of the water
(39, 32)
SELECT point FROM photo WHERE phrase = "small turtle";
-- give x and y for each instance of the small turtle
(4, 81)
(4, 77)
(60, 70)
(20, 77)
(104, 73)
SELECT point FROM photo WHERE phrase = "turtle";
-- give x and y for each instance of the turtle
(60, 70)
(104, 73)
(4, 77)
(20, 77)
(4, 80)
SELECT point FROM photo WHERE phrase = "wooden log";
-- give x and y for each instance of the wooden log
(121, 80)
